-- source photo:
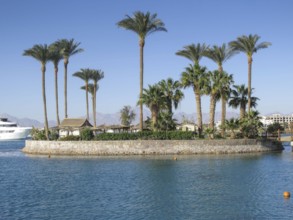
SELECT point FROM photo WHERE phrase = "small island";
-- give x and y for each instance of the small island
(159, 133)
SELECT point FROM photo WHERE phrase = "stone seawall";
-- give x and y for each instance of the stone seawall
(149, 147)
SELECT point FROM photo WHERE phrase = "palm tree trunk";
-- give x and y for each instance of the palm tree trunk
(87, 100)
(223, 117)
(242, 111)
(65, 86)
(56, 94)
(249, 83)
(95, 105)
(223, 100)
(154, 117)
(169, 101)
(44, 101)
(141, 46)
(198, 111)
(212, 112)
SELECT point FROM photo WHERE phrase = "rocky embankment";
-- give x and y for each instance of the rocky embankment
(150, 147)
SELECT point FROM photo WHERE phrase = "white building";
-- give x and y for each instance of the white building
(187, 127)
(276, 118)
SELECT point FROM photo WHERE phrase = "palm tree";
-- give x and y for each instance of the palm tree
(56, 56)
(195, 76)
(143, 25)
(153, 98)
(68, 49)
(172, 93)
(232, 125)
(96, 76)
(251, 124)
(248, 45)
(213, 88)
(225, 91)
(127, 115)
(41, 53)
(92, 90)
(220, 54)
(85, 75)
(239, 98)
(193, 52)
(166, 122)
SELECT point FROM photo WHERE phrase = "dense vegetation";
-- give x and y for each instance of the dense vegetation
(148, 135)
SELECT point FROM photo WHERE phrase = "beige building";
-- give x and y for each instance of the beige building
(187, 127)
(72, 126)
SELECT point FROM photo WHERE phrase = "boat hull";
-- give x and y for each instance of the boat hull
(18, 133)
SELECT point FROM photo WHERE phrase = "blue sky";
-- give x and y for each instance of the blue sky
(115, 50)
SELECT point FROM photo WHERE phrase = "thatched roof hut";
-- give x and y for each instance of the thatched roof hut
(72, 126)
(75, 123)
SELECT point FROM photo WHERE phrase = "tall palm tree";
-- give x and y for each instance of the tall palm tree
(225, 91)
(193, 52)
(42, 54)
(220, 54)
(195, 76)
(56, 57)
(85, 75)
(172, 93)
(143, 24)
(153, 98)
(239, 98)
(68, 49)
(249, 46)
(92, 90)
(213, 88)
(96, 76)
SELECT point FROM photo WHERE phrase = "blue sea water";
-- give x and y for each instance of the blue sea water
(245, 186)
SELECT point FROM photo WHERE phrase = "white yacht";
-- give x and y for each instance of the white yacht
(11, 131)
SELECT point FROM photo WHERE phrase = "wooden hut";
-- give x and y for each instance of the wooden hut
(72, 126)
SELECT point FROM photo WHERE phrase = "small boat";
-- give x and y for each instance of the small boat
(11, 131)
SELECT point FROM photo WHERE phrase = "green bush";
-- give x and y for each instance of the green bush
(54, 135)
(70, 138)
(147, 135)
(115, 136)
(86, 134)
(38, 135)
(249, 131)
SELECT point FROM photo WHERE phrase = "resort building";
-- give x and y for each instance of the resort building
(187, 127)
(276, 118)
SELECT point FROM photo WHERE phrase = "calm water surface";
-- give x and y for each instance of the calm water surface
(247, 186)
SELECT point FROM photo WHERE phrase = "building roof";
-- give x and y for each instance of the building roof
(75, 123)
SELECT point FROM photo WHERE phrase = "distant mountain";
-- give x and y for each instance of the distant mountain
(205, 116)
(111, 119)
(26, 122)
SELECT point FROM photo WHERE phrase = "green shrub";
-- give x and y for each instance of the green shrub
(147, 135)
(70, 138)
(38, 135)
(54, 135)
(249, 131)
(86, 134)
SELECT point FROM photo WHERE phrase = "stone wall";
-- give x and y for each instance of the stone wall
(148, 147)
